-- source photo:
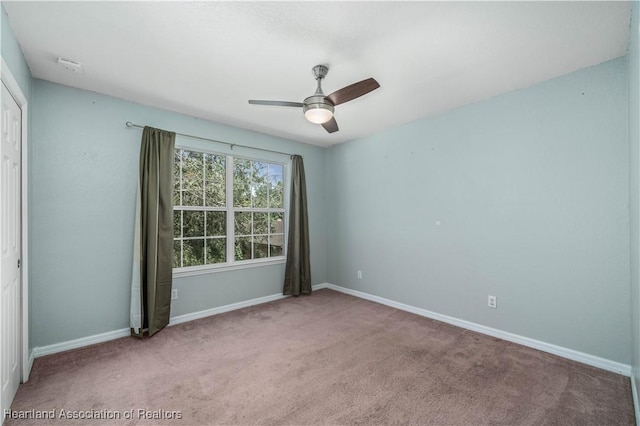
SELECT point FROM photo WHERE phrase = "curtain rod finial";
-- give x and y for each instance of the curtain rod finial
(129, 124)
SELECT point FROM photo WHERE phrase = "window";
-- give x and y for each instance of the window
(227, 210)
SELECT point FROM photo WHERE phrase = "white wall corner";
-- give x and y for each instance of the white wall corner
(571, 354)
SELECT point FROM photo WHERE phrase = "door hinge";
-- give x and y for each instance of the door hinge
(18, 263)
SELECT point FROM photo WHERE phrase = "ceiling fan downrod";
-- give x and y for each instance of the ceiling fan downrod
(319, 72)
(317, 108)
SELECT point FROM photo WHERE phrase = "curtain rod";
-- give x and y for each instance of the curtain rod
(130, 124)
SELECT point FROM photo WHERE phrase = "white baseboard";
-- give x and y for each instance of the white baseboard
(78, 343)
(571, 354)
(116, 334)
(232, 307)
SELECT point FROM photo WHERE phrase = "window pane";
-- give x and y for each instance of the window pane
(260, 223)
(259, 191)
(192, 177)
(216, 250)
(215, 175)
(193, 252)
(215, 166)
(192, 198)
(242, 195)
(260, 170)
(275, 173)
(276, 229)
(193, 224)
(276, 186)
(260, 247)
(260, 194)
(215, 195)
(276, 243)
(243, 223)
(276, 223)
(176, 177)
(177, 223)
(177, 155)
(243, 248)
(216, 224)
(176, 198)
(242, 183)
(276, 197)
(176, 253)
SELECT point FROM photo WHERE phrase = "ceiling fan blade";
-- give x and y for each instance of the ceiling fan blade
(353, 91)
(331, 125)
(276, 103)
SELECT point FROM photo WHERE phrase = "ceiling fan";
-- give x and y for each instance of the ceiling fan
(319, 108)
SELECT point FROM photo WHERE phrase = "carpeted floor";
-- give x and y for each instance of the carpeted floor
(325, 359)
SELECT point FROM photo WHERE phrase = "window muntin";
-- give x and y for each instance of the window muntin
(227, 210)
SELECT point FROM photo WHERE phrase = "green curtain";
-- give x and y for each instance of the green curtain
(153, 249)
(297, 276)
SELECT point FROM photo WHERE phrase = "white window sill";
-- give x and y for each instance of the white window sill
(212, 269)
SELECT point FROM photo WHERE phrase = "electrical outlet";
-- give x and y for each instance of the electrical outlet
(174, 294)
(359, 275)
(493, 302)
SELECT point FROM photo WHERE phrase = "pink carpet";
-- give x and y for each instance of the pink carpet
(328, 358)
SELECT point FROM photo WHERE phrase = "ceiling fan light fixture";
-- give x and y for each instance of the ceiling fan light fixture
(317, 111)
(318, 114)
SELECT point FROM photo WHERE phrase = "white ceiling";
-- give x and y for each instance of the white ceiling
(206, 59)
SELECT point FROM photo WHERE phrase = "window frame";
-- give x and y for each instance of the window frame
(230, 209)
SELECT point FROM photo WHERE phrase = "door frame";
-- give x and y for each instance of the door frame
(15, 90)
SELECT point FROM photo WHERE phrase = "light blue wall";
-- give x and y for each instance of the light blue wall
(633, 61)
(531, 191)
(84, 165)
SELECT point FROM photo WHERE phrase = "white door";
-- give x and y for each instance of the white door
(10, 214)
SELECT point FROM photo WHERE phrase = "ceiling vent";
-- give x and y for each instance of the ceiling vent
(72, 66)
